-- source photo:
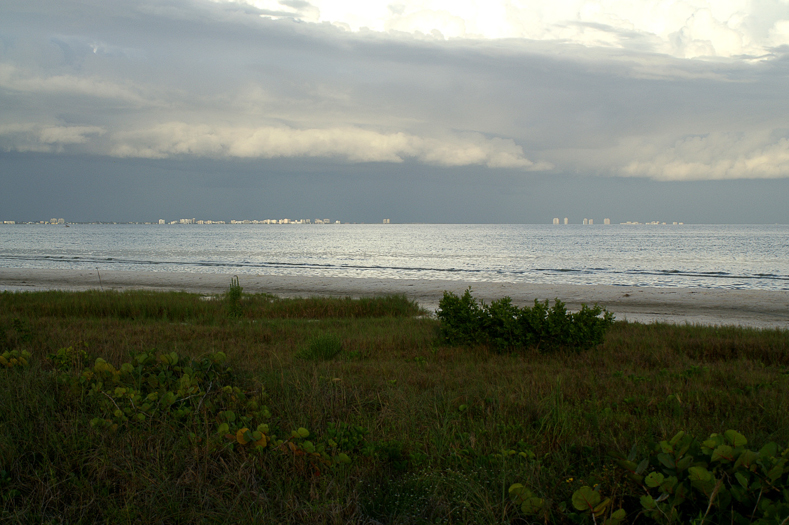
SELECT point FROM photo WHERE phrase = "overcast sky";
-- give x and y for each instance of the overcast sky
(419, 111)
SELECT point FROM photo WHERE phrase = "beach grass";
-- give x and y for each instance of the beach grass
(441, 431)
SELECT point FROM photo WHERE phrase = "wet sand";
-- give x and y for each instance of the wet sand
(751, 308)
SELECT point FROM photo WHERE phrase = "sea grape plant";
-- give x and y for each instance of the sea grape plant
(464, 320)
(712, 481)
(15, 358)
(185, 393)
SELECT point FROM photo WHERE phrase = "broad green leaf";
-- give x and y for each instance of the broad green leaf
(303, 432)
(585, 498)
(654, 479)
(667, 461)
(735, 438)
(647, 502)
(742, 479)
(684, 463)
(699, 474)
(516, 490)
(723, 453)
(668, 483)
(342, 457)
(673, 442)
(532, 505)
(599, 509)
(770, 450)
(775, 472)
(747, 459)
(616, 517)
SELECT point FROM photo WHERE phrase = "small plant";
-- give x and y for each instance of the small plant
(505, 326)
(233, 296)
(14, 359)
(69, 358)
(321, 348)
(714, 481)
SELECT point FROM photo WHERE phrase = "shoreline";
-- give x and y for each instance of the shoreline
(706, 306)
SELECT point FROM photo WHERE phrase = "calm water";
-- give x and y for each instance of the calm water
(749, 257)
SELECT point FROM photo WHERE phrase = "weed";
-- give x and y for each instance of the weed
(321, 348)
(233, 298)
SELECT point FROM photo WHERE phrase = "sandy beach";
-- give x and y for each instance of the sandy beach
(758, 309)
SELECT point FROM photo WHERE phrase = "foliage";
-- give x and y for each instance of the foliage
(186, 307)
(71, 357)
(321, 348)
(18, 334)
(233, 297)
(14, 358)
(505, 326)
(186, 394)
(428, 429)
(715, 480)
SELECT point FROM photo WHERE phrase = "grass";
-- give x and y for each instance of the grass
(437, 417)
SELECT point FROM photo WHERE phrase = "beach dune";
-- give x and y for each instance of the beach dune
(751, 308)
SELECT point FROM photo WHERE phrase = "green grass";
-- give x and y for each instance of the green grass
(436, 416)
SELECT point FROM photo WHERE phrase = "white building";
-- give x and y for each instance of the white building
(566, 220)
(606, 221)
(591, 221)
(161, 221)
(386, 221)
(586, 221)
(556, 220)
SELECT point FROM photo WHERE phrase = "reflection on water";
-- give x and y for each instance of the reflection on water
(748, 257)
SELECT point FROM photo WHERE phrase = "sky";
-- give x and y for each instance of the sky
(443, 111)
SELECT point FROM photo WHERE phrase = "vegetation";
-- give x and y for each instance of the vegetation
(171, 408)
(505, 326)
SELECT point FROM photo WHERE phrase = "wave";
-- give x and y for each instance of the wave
(452, 273)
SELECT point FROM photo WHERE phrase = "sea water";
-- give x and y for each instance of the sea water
(688, 256)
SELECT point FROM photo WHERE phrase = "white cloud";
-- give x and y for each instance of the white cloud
(716, 156)
(21, 80)
(350, 143)
(682, 28)
(44, 138)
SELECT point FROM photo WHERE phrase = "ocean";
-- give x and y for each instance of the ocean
(688, 256)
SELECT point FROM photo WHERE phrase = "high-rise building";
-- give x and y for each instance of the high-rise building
(556, 220)
(586, 221)
(591, 221)
(606, 221)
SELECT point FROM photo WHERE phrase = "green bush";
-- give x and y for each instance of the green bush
(505, 326)
(322, 348)
(233, 297)
(682, 480)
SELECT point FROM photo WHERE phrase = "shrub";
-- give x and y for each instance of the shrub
(233, 296)
(322, 348)
(505, 326)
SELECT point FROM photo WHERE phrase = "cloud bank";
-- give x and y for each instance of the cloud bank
(686, 90)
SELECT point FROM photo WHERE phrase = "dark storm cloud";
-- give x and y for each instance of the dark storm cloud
(157, 79)
(136, 83)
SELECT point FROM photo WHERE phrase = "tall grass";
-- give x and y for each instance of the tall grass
(438, 416)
